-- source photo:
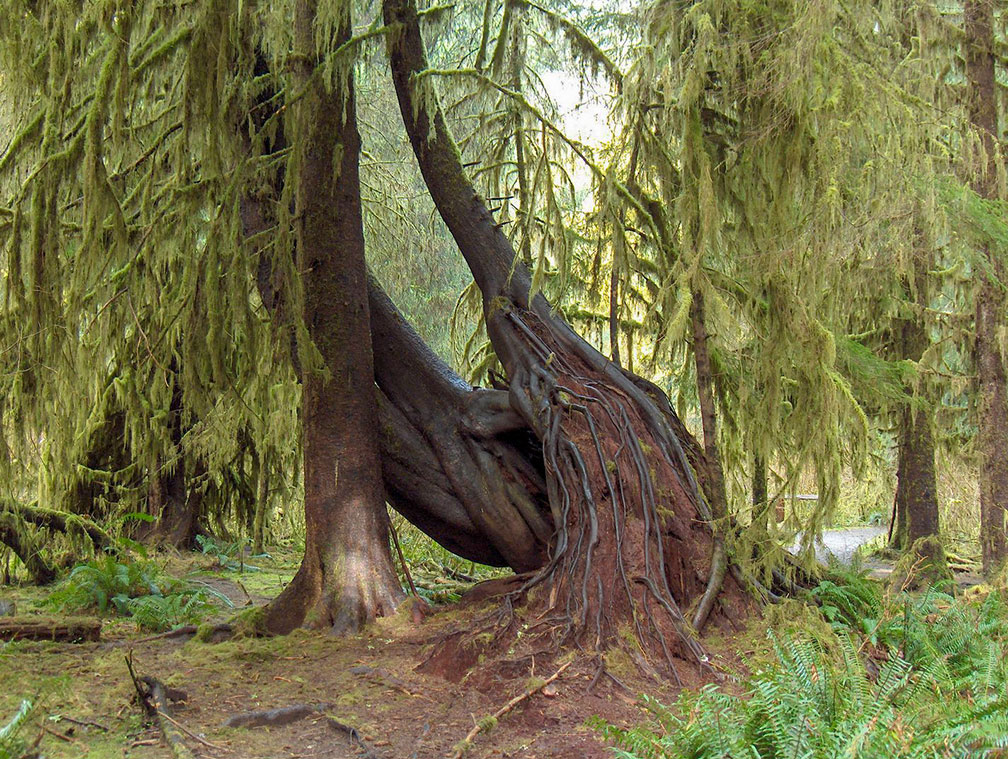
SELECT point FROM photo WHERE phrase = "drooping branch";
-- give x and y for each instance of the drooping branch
(15, 534)
(62, 521)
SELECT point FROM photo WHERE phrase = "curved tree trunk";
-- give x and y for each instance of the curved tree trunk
(633, 541)
(459, 462)
(346, 577)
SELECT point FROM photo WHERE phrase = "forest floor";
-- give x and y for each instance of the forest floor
(384, 683)
(408, 687)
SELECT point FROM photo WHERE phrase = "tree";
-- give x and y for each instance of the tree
(346, 577)
(992, 406)
(574, 455)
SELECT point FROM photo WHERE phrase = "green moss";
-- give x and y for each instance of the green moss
(487, 724)
(250, 623)
(534, 683)
(922, 564)
(349, 698)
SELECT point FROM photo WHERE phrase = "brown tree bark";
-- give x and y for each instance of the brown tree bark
(172, 496)
(633, 539)
(992, 406)
(916, 503)
(346, 578)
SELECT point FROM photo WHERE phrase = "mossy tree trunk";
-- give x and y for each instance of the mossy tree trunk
(992, 406)
(633, 541)
(173, 496)
(346, 577)
(916, 502)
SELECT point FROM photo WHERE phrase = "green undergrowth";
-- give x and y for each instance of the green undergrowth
(13, 743)
(155, 600)
(439, 575)
(877, 676)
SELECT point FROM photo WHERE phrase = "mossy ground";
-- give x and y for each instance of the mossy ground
(370, 681)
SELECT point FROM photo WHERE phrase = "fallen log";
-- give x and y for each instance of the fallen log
(64, 629)
(285, 715)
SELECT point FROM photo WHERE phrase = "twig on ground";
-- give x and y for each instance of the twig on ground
(335, 724)
(54, 733)
(190, 733)
(82, 722)
(153, 697)
(487, 723)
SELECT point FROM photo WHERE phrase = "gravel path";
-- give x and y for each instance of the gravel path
(842, 544)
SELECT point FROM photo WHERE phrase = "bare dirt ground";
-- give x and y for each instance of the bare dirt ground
(384, 683)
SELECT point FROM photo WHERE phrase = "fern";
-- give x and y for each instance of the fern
(137, 589)
(934, 687)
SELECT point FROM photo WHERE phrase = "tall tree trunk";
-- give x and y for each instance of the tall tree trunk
(633, 540)
(346, 577)
(916, 506)
(992, 406)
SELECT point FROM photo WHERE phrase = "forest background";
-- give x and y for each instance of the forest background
(786, 218)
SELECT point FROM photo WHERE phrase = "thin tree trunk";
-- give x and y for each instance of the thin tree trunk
(614, 316)
(261, 501)
(992, 406)
(716, 491)
(346, 578)
(760, 502)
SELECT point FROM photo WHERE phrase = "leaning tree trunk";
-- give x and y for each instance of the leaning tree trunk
(992, 407)
(633, 540)
(346, 577)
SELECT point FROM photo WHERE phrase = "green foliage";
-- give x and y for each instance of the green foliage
(914, 677)
(12, 746)
(229, 554)
(134, 589)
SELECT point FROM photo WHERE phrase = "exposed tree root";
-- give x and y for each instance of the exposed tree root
(285, 715)
(354, 736)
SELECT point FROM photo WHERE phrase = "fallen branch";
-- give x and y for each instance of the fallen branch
(488, 722)
(81, 722)
(67, 630)
(153, 696)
